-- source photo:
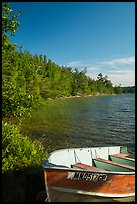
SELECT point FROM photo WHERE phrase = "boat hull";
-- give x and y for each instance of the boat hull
(58, 195)
(88, 186)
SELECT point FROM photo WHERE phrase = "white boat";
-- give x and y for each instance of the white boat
(93, 174)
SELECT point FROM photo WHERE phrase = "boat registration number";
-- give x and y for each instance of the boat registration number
(86, 176)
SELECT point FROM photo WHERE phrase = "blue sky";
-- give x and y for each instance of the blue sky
(99, 36)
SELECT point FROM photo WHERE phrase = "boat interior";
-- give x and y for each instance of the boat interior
(123, 164)
(98, 159)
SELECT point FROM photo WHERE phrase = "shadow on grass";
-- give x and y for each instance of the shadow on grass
(24, 185)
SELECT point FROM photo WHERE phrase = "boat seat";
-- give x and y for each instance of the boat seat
(85, 166)
(123, 156)
(120, 158)
(112, 165)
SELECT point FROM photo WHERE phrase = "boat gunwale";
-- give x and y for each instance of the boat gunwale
(80, 148)
(58, 168)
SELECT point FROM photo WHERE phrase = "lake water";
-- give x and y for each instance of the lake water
(85, 122)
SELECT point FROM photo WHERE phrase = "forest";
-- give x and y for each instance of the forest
(27, 81)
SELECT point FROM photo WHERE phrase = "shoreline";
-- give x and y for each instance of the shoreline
(82, 96)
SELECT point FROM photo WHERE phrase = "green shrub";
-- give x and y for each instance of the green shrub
(18, 151)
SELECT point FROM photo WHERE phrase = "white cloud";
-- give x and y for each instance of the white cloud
(120, 61)
(127, 79)
(74, 64)
(119, 70)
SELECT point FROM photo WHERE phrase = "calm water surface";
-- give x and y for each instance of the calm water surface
(85, 122)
